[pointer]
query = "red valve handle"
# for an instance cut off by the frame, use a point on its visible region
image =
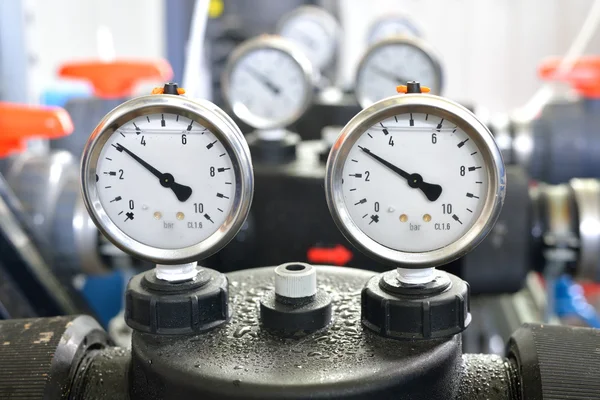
(116, 79)
(19, 122)
(584, 77)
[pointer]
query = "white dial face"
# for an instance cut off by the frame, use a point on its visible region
(414, 182)
(387, 66)
(392, 27)
(267, 85)
(310, 34)
(165, 181)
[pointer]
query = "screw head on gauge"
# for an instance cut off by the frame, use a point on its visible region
(391, 26)
(167, 179)
(267, 82)
(315, 31)
(395, 61)
(415, 181)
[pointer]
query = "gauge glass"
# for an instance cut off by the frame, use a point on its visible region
(416, 180)
(415, 184)
(267, 84)
(394, 62)
(315, 31)
(167, 179)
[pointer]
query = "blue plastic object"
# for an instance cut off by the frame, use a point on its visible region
(61, 92)
(104, 294)
(569, 300)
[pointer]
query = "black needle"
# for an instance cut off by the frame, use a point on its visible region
(166, 180)
(264, 80)
(390, 75)
(415, 181)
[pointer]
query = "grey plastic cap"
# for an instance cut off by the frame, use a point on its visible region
(295, 280)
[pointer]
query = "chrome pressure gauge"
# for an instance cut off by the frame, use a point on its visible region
(167, 179)
(415, 180)
(393, 62)
(267, 82)
(391, 26)
(315, 31)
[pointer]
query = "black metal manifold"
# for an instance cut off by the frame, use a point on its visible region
(241, 360)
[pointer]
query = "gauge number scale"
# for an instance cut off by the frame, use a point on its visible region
(165, 180)
(414, 182)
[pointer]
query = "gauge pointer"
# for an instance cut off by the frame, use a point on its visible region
(166, 180)
(390, 75)
(415, 181)
(264, 80)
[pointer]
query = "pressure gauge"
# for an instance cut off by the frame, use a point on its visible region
(267, 82)
(315, 31)
(415, 181)
(391, 26)
(167, 179)
(392, 62)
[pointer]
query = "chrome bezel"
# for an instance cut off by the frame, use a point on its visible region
(586, 193)
(404, 40)
(290, 50)
(329, 24)
(416, 103)
(203, 112)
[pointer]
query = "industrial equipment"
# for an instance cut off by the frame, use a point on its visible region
(394, 61)
(450, 162)
(268, 84)
(167, 179)
(561, 142)
(297, 330)
(316, 31)
(392, 25)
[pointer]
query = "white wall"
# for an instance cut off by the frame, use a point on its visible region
(489, 48)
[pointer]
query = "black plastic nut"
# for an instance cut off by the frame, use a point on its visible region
(165, 308)
(418, 316)
(290, 315)
(273, 151)
(170, 88)
(413, 87)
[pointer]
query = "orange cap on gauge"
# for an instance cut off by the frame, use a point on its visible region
(116, 79)
(406, 89)
(584, 77)
(161, 90)
(19, 122)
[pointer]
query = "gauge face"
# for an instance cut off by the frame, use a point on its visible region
(415, 184)
(266, 85)
(394, 62)
(167, 179)
(393, 26)
(315, 31)
(410, 180)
